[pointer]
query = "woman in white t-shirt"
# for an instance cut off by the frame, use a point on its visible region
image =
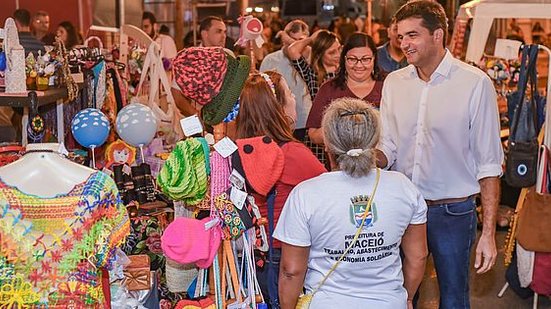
(321, 217)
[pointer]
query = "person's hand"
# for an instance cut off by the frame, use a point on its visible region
(486, 253)
(285, 38)
(314, 36)
(410, 304)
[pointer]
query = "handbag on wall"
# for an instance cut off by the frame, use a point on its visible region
(533, 222)
(15, 59)
(522, 158)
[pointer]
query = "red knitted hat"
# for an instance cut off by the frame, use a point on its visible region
(260, 161)
(200, 71)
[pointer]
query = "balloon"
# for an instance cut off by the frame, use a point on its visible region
(136, 124)
(90, 127)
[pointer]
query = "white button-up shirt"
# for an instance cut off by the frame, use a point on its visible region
(442, 134)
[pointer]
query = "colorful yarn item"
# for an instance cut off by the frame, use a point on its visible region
(183, 176)
(51, 250)
(220, 176)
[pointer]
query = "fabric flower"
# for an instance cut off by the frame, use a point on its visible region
(153, 243)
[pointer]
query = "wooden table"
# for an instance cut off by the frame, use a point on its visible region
(31, 100)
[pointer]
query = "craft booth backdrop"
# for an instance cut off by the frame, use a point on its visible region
(483, 13)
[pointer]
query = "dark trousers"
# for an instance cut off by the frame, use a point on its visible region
(268, 279)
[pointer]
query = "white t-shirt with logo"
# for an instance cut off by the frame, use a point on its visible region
(324, 214)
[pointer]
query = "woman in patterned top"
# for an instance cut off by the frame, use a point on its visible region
(323, 65)
(324, 58)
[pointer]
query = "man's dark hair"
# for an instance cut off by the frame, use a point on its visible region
(23, 17)
(357, 39)
(430, 12)
(206, 23)
(164, 30)
(41, 13)
(150, 16)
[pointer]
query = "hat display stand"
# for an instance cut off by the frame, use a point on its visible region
(230, 280)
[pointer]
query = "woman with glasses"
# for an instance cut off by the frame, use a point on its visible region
(358, 77)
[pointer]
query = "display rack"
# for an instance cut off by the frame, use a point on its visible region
(31, 100)
(546, 140)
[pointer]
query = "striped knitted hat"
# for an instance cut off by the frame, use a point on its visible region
(199, 72)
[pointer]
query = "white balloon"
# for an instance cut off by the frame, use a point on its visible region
(133, 126)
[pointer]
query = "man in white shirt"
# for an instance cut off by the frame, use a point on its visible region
(441, 129)
(277, 61)
(168, 47)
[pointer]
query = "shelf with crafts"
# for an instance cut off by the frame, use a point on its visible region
(32, 99)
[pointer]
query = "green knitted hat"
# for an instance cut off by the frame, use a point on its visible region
(238, 70)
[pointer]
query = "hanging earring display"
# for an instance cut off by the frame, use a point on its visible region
(37, 124)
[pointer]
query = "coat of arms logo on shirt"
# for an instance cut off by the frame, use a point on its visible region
(357, 209)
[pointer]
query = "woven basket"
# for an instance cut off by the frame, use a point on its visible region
(179, 276)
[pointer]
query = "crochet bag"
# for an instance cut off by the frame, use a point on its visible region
(15, 59)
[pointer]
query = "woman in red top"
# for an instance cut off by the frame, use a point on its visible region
(358, 77)
(261, 114)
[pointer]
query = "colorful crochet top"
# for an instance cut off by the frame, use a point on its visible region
(52, 249)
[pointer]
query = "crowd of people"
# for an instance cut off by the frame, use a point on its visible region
(359, 235)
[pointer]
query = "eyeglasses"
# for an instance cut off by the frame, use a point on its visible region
(363, 60)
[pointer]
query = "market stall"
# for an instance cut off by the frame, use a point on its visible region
(483, 13)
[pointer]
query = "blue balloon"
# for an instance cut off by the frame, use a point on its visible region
(90, 127)
(136, 124)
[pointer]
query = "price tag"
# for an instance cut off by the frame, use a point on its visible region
(256, 211)
(107, 171)
(225, 147)
(238, 197)
(191, 125)
(237, 180)
(127, 170)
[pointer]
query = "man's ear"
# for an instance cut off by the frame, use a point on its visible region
(439, 34)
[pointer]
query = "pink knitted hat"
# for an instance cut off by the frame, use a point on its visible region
(186, 241)
(200, 71)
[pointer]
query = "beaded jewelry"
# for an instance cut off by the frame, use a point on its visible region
(37, 124)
